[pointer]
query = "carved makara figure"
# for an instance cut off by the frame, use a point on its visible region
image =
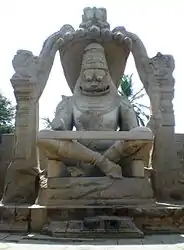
(94, 106)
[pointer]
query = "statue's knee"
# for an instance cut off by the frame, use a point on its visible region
(141, 129)
(119, 145)
(64, 147)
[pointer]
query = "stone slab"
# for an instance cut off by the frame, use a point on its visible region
(96, 227)
(159, 219)
(96, 135)
(39, 242)
(3, 236)
(18, 227)
(14, 218)
(37, 238)
(97, 190)
(38, 218)
(150, 219)
(13, 238)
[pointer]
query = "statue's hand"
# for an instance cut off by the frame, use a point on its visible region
(37, 68)
(58, 124)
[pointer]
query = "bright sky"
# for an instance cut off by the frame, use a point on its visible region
(26, 24)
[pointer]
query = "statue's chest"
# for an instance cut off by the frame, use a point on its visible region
(95, 120)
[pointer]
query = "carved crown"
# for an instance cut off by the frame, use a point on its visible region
(94, 16)
(93, 29)
(162, 65)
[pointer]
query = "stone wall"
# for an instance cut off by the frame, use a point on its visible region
(179, 138)
(6, 150)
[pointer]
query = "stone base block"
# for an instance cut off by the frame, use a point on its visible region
(95, 227)
(94, 221)
(148, 219)
(95, 191)
(14, 219)
(38, 218)
(160, 219)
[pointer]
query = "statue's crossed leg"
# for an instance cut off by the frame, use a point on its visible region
(74, 150)
(106, 162)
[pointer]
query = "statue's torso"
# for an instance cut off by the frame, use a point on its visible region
(106, 119)
(95, 121)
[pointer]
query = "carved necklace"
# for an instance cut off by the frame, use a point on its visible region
(99, 104)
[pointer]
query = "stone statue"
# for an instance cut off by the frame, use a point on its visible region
(93, 58)
(95, 104)
(42, 168)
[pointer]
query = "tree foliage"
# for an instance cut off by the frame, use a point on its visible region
(47, 122)
(126, 89)
(7, 113)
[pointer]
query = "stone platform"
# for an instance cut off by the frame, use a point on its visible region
(77, 191)
(95, 227)
(11, 241)
(131, 221)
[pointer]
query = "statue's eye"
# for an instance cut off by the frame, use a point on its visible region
(88, 74)
(99, 78)
(88, 78)
(99, 75)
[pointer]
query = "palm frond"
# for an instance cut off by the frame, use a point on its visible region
(47, 122)
(126, 89)
(126, 85)
(136, 94)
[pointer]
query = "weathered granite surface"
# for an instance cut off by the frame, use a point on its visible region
(148, 218)
(6, 147)
(95, 190)
(94, 59)
(93, 72)
(95, 227)
(38, 241)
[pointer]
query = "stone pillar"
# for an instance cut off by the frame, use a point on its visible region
(162, 123)
(26, 120)
(29, 81)
(22, 172)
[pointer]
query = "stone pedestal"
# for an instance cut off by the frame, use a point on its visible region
(54, 168)
(137, 168)
(77, 191)
(124, 221)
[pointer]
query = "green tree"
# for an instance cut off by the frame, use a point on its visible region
(47, 122)
(126, 89)
(7, 113)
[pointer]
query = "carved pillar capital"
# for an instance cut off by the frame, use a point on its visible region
(23, 88)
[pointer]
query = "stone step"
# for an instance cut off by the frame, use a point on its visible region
(149, 218)
(95, 227)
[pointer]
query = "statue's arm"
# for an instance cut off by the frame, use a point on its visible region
(140, 57)
(127, 116)
(63, 119)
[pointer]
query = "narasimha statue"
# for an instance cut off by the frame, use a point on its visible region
(94, 106)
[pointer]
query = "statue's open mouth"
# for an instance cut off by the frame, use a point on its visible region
(95, 91)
